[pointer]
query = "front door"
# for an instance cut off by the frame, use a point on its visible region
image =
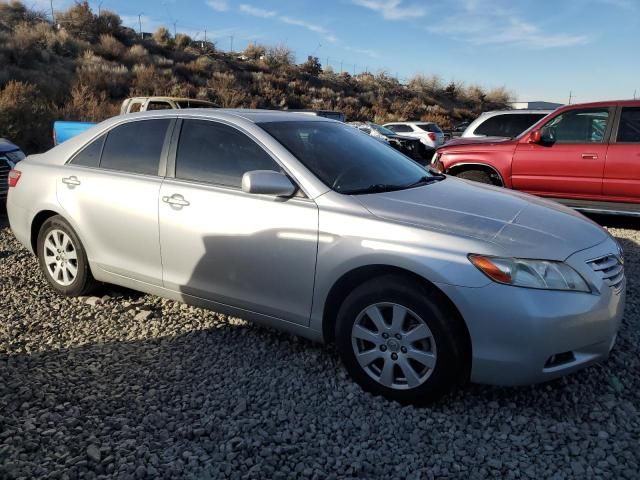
(254, 252)
(110, 188)
(569, 163)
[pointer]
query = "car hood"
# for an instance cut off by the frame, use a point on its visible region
(518, 224)
(476, 141)
(7, 146)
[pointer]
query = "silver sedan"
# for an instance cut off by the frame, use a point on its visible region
(303, 223)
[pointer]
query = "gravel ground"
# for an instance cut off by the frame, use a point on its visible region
(133, 386)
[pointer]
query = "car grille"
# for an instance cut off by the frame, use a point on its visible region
(611, 268)
(4, 176)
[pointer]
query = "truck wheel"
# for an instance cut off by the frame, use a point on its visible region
(63, 259)
(476, 176)
(397, 339)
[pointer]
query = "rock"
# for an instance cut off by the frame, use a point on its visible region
(143, 315)
(93, 453)
(93, 301)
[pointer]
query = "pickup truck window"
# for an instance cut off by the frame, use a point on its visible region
(629, 129)
(578, 126)
(159, 106)
(507, 125)
(89, 156)
(135, 147)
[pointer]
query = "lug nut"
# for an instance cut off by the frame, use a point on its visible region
(383, 348)
(398, 336)
(385, 335)
(394, 356)
(403, 349)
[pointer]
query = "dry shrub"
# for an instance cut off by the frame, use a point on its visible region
(182, 41)
(137, 54)
(162, 37)
(25, 116)
(224, 91)
(110, 47)
(87, 106)
(102, 75)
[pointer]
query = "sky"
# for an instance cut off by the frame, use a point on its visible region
(538, 49)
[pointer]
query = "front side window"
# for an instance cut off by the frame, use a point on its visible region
(577, 126)
(89, 156)
(135, 147)
(629, 129)
(215, 153)
(345, 160)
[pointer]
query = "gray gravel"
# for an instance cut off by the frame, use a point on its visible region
(133, 386)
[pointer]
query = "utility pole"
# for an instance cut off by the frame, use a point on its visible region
(231, 43)
(340, 66)
(326, 65)
(570, 96)
(354, 69)
(53, 16)
(174, 29)
(99, 9)
(205, 35)
(140, 23)
(634, 94)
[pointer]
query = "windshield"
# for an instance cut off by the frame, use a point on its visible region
(381, 129)
(345, 160)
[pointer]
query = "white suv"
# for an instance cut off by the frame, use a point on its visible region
(504, 123)
(429, 133)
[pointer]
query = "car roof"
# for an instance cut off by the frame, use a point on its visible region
(251, 115)
(413, 122)
(541, 111)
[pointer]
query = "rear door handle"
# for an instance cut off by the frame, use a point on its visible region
(590, 156)
(176, 200)
(71, 181)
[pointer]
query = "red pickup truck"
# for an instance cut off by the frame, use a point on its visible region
(586, 156)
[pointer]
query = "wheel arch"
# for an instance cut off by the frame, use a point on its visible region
(36, 224)
(351, 279)
(466, 166)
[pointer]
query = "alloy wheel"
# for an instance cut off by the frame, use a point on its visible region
(60, 257)
(394, 345)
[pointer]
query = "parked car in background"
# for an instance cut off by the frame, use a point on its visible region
(456, 131)
(503, 123)
(411, 147)
(10, 155)
(305, 224)
(64, 130)
(585, 156)
(428, 132)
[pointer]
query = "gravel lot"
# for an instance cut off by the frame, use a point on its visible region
(133, 386)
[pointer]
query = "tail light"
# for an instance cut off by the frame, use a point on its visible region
(432, 136)
(14, 176)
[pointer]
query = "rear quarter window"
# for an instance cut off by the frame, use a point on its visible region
(629, 129)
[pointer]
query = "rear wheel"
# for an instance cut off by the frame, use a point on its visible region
(63, 259)
(476, 176)
(398, 340)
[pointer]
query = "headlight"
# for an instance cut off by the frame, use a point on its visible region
(519, 272)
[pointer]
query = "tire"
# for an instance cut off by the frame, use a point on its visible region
(63, 259)
(476, 176)
(442, 349)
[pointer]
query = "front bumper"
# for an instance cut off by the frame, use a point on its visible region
(523, 336)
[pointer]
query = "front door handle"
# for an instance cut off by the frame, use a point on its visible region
(590, 156)
(71, 181)
(176, 200)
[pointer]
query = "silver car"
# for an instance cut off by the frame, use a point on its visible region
(302, 223)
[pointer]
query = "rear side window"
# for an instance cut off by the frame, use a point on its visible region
(400, 128)
(429, 127)
(135, 147)
(159, 106)
(629, 129)
(215, 153)
(508, 125)
(89, 156)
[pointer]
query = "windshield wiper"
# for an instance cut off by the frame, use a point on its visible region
(377, 188)
(434, 177)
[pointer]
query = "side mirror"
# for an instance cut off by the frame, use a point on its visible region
(268, 182)
(535, 137)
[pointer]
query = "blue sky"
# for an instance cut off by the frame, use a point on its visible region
(539, 49)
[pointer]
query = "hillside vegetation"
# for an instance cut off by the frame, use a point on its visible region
(85, 65)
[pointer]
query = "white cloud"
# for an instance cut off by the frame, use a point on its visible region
(257, 12)
(363, 51)
(392, 9)
(312, 27)
(218, 5)
(498, 26)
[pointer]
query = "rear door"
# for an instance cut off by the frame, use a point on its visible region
(622, 168)
(110, 191)
(570, 162)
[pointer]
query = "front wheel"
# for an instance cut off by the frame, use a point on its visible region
(397, 339)
(63, 259)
